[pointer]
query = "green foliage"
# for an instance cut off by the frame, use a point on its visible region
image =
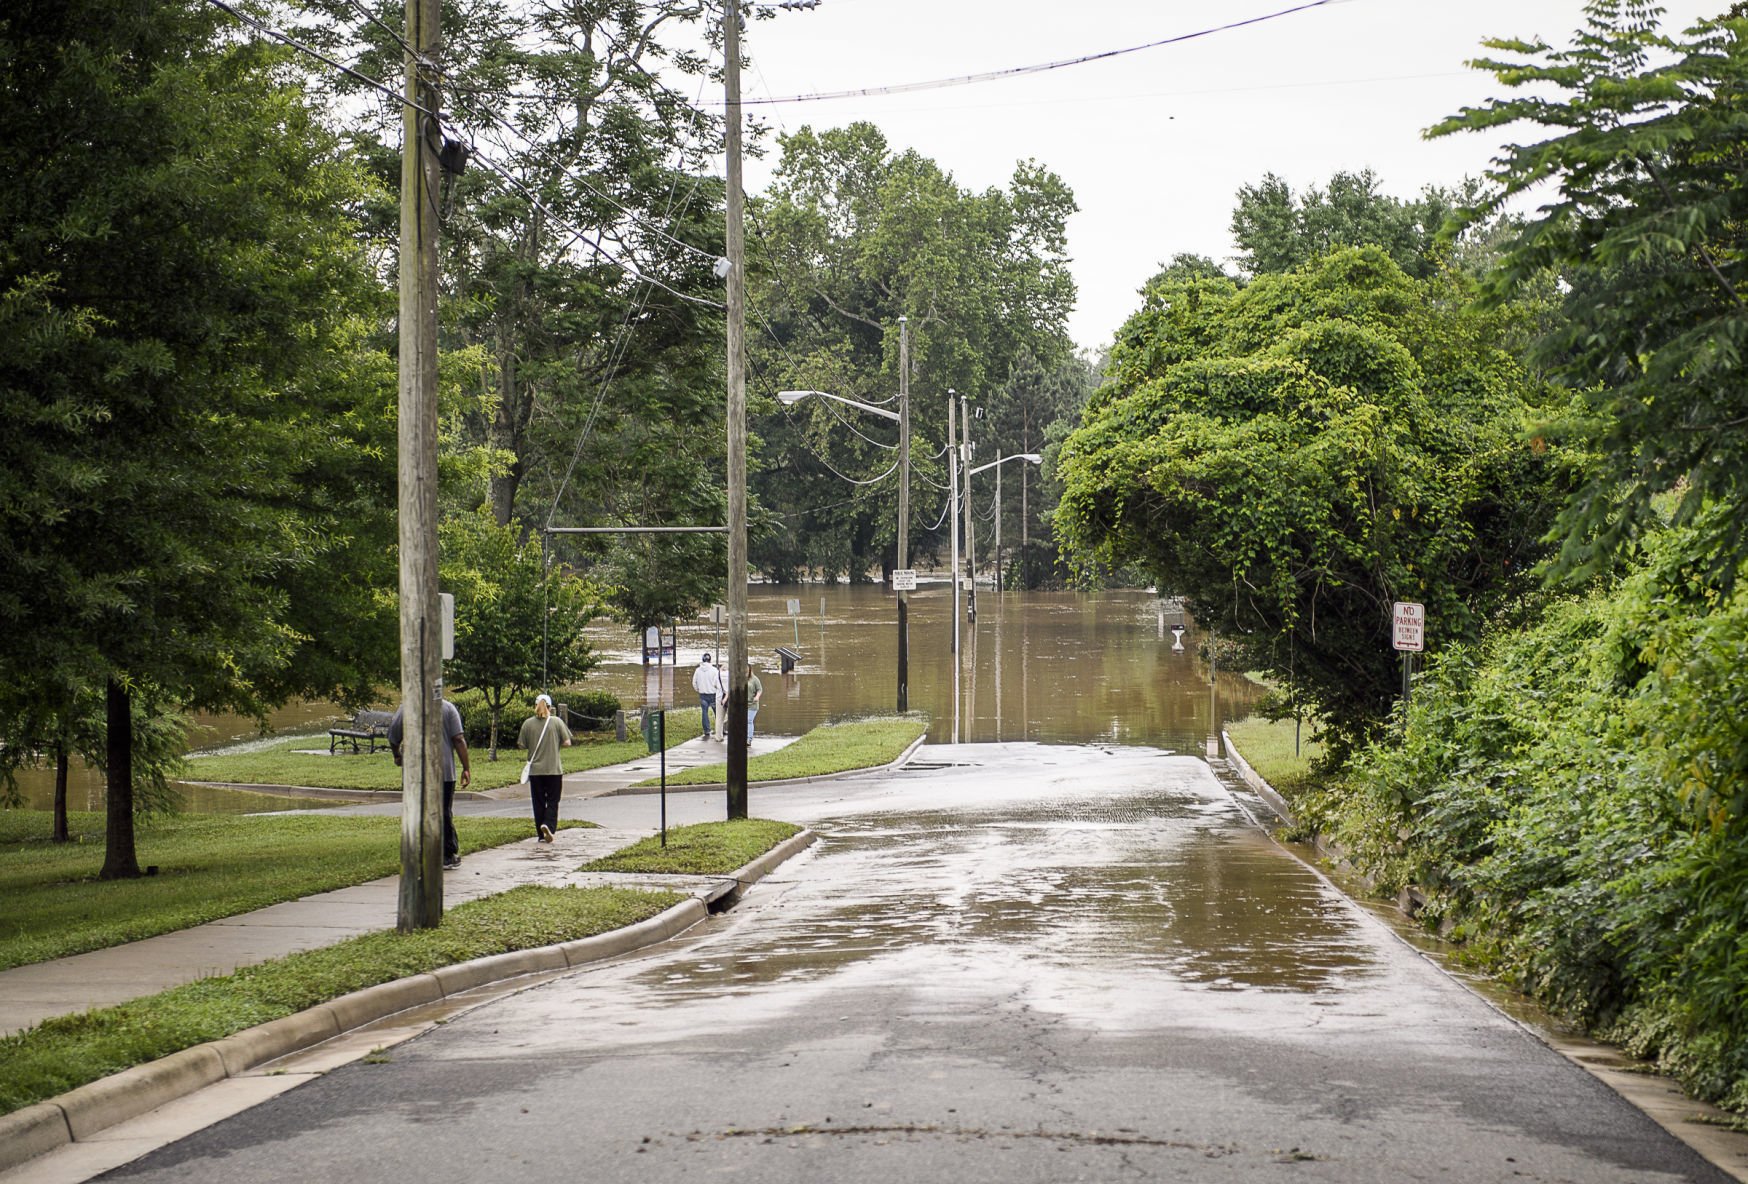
(1279, 231)
(1635, 149)
(703, 849)
(1295, 455)
(852, 235)
(590, 710)
(1571, 797)
(519, 620)
(63, 1053)
(210, 866)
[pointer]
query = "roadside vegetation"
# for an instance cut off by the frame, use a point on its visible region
(829, 748)
(1534, 428)
(703, 849)
(1268, 746)
(209, 866)
(68, 1051)
(294, 763)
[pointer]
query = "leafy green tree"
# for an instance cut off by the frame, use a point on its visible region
(1278, 230)
(1640, 145)
(1296, 455)
(518, 618)
(852, 235)
(180, 296)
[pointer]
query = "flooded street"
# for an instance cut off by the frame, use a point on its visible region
(1006, 963)
(1059, 667)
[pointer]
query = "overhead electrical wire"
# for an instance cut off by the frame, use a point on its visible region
(1039, 68)
(268, 31)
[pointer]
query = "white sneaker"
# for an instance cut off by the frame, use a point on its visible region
(545, 833)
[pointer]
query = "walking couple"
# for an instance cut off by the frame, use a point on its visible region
(711, 683)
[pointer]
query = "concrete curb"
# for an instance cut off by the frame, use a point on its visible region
(81, 1113)
(893, 765)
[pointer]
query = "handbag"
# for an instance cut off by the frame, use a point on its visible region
(528, 765)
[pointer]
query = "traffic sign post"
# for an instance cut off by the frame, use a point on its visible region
(1408, 635)
(904, 579)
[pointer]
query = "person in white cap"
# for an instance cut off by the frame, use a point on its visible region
(542, 735)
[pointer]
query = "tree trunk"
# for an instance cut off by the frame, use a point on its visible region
(120, 861)
(61, 762)
(496, 712)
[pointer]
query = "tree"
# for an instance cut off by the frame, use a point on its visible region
(1294, 456)
(852, 235)
(518, 619)
(1278, 230)
(180, 293)
(1645, 152)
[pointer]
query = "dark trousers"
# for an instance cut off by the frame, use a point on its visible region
(451, 840)
(545, 788)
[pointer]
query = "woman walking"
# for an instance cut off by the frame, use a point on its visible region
(542, 735)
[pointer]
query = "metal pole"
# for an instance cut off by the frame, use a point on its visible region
(421, 888)
(970, 530)
(998, 530)
(737, 421)
(661, 731)
(953, 514)
(903, 511)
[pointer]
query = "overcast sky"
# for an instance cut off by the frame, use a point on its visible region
(1155, 144)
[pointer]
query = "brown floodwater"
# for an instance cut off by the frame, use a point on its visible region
(1056, 667)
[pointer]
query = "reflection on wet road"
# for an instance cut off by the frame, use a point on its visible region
(1009, 963)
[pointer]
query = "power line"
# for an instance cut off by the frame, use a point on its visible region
(1040, 68)
(268, 31)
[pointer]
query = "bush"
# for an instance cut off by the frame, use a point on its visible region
(589, 710)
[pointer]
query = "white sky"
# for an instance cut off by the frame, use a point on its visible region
(1156, 144)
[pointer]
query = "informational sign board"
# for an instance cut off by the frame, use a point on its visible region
(795, 608)
(904, 579)
(718, 614)
(1409, 620)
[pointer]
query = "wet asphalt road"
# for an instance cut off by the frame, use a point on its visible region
(1006, 964)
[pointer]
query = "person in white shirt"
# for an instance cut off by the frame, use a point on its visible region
(721, 700)
(708, 686)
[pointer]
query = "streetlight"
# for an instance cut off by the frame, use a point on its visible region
(1034, 458)
(902, 415)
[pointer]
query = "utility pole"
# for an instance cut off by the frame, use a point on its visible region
(903, 511)
(736, 724)
(421, 895)
(998, 534)
(953, 515)
(970, 533)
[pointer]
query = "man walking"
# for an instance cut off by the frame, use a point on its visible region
(454, 744)
(705, 682)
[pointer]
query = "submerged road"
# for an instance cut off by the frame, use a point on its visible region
(1008, 963)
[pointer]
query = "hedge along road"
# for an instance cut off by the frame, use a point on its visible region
(1006, 963)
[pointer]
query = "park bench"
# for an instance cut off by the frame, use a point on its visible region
(369, 726)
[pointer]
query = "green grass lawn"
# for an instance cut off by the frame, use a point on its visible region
(282, 764)
(829, 748)
(1268, 746)
(63, 1053)
(209, 866)
(703, 849)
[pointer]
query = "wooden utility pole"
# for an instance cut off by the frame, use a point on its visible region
(903, 511)
(737, 421)
(421, 897)
(970, 543)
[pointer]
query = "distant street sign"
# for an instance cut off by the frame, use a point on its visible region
(795, 608)
(904, 579)
(1410, 625)
(718, 614)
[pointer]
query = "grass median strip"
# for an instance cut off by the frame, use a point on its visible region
(66, 1052)
(209, 866)
(829, 748)
(703, 849)
(1268, 747)
(291, 762)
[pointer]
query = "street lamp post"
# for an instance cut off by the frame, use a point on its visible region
(902, 416)
(1034, 458)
